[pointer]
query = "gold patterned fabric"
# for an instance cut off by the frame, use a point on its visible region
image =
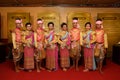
(75, 51)
(18, 52)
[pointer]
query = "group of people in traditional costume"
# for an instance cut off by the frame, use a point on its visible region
(51, 46)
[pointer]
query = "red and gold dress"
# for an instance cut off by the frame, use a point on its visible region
(51, 50)
(89, 40)
(29, 50)
(64, 41)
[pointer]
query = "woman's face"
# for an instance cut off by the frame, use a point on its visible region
(88, 27)
(51, 27)
(29, 27)
(64, 27)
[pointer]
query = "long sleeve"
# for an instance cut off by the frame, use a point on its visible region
(105, 41)
(59, 41)
(23, 34)
(58, 38)
(54, 40)
(46, 42)
(93, 37)
(35, 38)
(81, 38)
(13, 40)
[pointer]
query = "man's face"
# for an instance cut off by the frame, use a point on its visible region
(18, 25)
(75, 24)
(40, 25)
(98, 26)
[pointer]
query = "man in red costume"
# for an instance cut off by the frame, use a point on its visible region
(39, 37)
(76, 42)
(101, 44)
(17, 43)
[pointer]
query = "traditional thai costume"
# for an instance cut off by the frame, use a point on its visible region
(64, 41)
(88, 44)
(29, 50)
(51, 50)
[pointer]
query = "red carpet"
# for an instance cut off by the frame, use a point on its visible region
(111, 72)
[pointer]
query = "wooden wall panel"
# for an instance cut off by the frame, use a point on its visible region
(50, 17)
(11, 21)
(83, 18)
(111, 23)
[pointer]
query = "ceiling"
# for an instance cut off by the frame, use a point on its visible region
(65, 3)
